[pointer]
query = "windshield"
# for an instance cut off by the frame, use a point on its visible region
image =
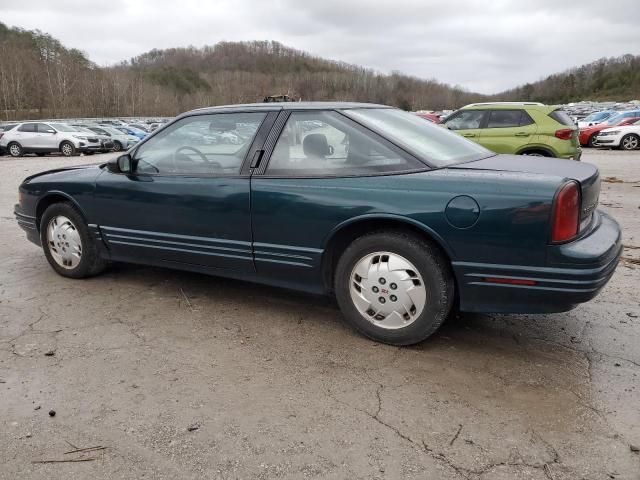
(61, 127)
(597, 116)
(435, 144)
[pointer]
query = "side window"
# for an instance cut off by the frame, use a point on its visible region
(504, 118)
(27, 127)
(200, 145)
(44, 128)
(465, 120)
(526, 119)
(322, 143)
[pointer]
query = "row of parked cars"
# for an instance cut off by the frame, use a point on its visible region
(611, 129)
(71, 137)
(530, 128)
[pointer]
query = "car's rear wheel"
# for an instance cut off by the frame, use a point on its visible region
(67, 244)
(536, 153)
(117, 146)
(15, 149)
(630, 142)
(67, 149)
(394, 287)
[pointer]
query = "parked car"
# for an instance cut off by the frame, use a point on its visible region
(399, 218)
(432, 117)
(624, 137)
(595, 118)
(121, 141)
(105, 140)
(615, 119)
(139, 126)
(518, 128)
(42, 138)
(5, 128)
(139, 134)
(588, 135)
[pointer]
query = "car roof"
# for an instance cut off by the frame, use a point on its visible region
(510, 106)
(276, 106)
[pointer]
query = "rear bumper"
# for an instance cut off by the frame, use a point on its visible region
(575, 273)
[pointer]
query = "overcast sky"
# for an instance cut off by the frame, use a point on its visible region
(484, 46)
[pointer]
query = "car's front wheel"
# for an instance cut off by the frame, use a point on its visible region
(117, 146)
(630, 142)
(394, 287)
(67, 243)
(67, 149)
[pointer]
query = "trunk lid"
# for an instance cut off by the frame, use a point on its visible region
(585, 174)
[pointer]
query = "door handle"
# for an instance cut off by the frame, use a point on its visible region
(468, 134)
(522, 134)
(255, 161)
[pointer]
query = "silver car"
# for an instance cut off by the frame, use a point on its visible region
(42, 138)
(121, 141)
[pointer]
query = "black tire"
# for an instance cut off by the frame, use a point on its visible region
(15, 149)
(592, 140)
(630, 142)
(117, 146)
(67, 149)
(90, 262)
(432, 266)
(536, 153)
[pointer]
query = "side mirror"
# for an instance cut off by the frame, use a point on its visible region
(51, 131)
(121, 164)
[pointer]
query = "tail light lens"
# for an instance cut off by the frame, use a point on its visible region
(566, 213)
(564, 134)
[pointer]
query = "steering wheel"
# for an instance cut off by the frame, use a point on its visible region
(174, 162)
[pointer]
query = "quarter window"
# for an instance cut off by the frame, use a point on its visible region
(465, 120)
(27, 127)
(319, 143)
(200, 145)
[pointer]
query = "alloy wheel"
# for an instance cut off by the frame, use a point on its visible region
(630, 142)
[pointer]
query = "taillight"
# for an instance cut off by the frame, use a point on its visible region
(564, 134)
(566, 213)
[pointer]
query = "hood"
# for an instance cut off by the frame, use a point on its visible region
(76, 170)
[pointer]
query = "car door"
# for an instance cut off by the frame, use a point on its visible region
(507, 131)
(311, 179)
(26, 135)
(47, 137)
(467, 123)
(188, 198)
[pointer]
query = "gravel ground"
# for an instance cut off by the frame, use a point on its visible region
(182, 375)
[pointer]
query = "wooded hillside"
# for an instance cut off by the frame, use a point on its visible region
(40, 77)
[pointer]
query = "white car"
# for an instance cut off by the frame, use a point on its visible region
(626, 137)
(121, 141)
(42, 138)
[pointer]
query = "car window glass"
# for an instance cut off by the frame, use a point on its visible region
(504, 118)
(525, 119)
(465, 120)
(318, 143)
(200, 145)
(27, 127)
(44, 128)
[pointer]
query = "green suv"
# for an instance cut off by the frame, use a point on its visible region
(518, 128)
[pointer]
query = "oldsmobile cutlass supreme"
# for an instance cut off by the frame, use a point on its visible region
(399, 218)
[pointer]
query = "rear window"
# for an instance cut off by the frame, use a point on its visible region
(562, 117)
(7, 127)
